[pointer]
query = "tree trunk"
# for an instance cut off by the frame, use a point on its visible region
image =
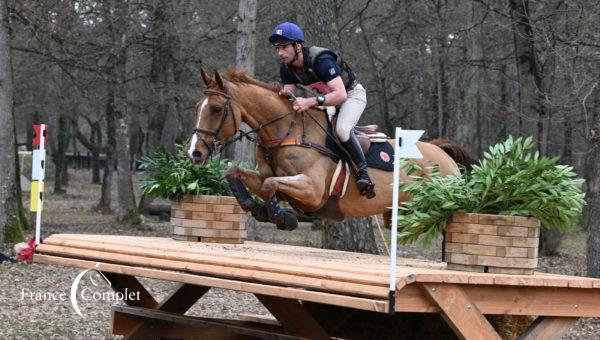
(531, 111)
(59, 156)
(321, 30)
(593, 204)
(243, 151)
(172, 127)
(97, 138)
(12, 216)
(109, 166)
(127, 212)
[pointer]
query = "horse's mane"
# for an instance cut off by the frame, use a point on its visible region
(240, 76)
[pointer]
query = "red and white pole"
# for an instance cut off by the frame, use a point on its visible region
(38, 173)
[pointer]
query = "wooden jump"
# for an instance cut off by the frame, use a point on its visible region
(313, 293)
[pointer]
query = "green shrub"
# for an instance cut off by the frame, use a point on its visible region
(509, 180)
(171, 176)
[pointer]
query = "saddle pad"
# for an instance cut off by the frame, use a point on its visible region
(380, 155)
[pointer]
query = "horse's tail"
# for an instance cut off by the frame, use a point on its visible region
(459, 154)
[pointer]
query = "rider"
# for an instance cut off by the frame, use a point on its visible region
(326, 73)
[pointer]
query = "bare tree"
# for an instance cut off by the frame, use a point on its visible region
(353, 234)
(531, 108)
(127, 210)
(243, 151)
(12, 217)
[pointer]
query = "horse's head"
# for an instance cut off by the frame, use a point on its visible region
(216, 119)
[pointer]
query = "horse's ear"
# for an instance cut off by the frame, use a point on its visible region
(205, 77)
(219, 80)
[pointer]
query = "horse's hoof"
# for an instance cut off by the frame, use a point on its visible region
(286, 221)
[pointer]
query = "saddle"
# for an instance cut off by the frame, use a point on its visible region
(366, 136)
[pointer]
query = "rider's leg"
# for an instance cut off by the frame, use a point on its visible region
(348, 116)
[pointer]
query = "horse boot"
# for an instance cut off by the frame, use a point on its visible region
(285, 220)
(366, 187)
(258, 210)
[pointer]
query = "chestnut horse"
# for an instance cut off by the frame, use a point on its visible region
(291, 172)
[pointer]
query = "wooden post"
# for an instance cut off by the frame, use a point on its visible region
(548, 328)
(293, 317)
(179, 301)
(459, 311)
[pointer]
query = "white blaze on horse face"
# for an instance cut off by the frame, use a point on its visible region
(195, 135)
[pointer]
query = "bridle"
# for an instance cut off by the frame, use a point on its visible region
(266, 145)
(239, 135)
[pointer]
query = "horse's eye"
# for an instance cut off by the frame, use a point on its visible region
(215, 110)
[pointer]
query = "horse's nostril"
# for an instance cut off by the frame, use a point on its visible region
(196, 154)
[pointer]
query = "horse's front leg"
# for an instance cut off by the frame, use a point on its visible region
(300, 188)
(239, 179)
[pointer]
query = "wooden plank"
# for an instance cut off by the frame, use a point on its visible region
(466, 268)
(351, 262)
(293, 316)
(212, 259)
(460, 312)
(168, 330)
(329, 260)
(246, 253)
(506, 241)
(512, 300)
(269, 320)
(222, 240)
(323, 284)
(185, 238)
(285, 292)
(121, 324)
(199, 223)
(217, 261)
(475, 249)
(204, 323)
(122, 282)
(472, 228)
(179, 301)
(496, 219)
(548, 328)
(513, 231)
(218, 232)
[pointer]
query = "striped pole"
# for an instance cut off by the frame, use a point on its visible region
(405, 147)
(38, 173)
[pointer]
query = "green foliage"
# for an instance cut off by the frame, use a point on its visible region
(171, 176)
(509, 180)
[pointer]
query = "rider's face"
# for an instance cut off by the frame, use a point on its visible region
(285, 52)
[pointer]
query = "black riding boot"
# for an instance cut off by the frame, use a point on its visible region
(363, 181)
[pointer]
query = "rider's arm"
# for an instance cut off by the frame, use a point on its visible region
(338, 94)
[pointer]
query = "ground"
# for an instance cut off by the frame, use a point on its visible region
(23, 315)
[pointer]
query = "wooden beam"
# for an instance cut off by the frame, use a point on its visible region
(121, 282)
(163, 320)
(548, 328)
(293, 316)
(511, 300)
(179, 301)
(460, 312)
(250, 287)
